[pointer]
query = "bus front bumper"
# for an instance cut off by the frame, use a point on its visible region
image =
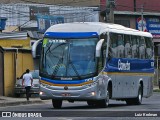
(88, 93)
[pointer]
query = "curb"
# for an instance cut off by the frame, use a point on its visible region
(19, 103)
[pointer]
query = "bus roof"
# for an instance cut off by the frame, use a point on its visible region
(95, 27)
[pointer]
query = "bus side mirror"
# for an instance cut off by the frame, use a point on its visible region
(36, 48)
(98, 47)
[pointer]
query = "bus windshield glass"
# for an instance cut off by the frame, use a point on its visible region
(70, 58)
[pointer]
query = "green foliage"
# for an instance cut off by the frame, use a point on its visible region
(156, 90)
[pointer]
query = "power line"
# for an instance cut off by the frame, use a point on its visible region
(58, 9)
(82, 16)
(10, 10)
(22, 15)
(21, 25)
(60, 5)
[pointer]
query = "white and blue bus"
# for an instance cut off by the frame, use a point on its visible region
(95, 62)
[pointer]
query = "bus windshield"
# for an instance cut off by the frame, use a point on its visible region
(70, 58)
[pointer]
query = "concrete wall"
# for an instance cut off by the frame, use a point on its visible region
(130, 18)
(10, 29)
(128, 5)
(24, 61)
(25, 43)
(15, 63)
(69, 2)
(9, 73)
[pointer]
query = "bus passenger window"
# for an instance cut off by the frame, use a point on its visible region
(149, 46)
(120, 47)
(113, 45)
(134, 47)
(142, 48)
(127, 46)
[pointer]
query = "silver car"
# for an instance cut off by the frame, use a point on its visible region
(19, 89)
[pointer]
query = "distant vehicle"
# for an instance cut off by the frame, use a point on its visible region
(19, 89)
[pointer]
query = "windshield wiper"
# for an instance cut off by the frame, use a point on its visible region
(58, 64)
(53, 48)
(57, 67)
(74, 68)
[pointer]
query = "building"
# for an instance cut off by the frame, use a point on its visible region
(79, 3)
(24, 15)
(15, 58)
(129, 13)
(13, 62)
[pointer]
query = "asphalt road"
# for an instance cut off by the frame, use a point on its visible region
(149, 110)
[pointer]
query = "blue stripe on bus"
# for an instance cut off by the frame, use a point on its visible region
(129, 65)
(63, 81)
(71, 34)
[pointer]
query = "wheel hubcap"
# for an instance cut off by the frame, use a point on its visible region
(107, 100)
(140, 97)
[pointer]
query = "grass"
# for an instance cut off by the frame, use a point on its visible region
(156, 90)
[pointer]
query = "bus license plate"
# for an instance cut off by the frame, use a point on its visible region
(66, 94)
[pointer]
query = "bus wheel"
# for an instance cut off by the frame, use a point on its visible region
(57, 103)
(91, 103)
(129, 102)
(103, 103)
(17, 95)
(138, 99)
(107, 99)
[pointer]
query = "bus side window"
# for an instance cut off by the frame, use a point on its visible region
(120, 47)
(142, 48)
(149, 46)
(127, 46)
(134, 46)
(113, 45)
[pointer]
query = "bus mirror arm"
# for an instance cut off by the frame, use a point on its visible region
(109, 55)
(98, 47)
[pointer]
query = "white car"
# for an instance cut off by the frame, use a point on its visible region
(19, 89)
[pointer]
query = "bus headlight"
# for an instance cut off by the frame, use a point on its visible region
(41, 93)
(93, 93)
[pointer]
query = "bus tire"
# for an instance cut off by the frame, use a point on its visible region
(17, 95)
(129, 101)
(105, 102)
(91, 103)
(57, 103)
(138, 99)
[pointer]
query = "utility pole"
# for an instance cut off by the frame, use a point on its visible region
(134, 5)
(107, 11)
(110, 11)
(142, 15)
(157, 71)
